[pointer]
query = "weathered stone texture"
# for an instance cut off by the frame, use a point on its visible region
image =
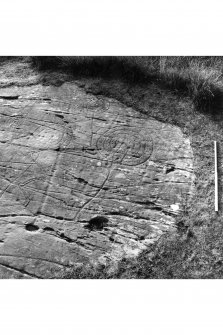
(83, 179)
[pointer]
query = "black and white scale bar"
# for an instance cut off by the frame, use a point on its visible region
(216, 175)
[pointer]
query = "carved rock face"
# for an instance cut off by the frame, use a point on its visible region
(83, 179)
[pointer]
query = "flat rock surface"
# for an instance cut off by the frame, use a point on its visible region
(83, 179)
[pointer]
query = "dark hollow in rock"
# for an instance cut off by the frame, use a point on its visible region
(66, 238)
(9, 97)
(31, 227)
(48, 229)
(97, 223)
(170, 168)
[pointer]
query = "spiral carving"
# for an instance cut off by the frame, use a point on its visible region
(124, 146)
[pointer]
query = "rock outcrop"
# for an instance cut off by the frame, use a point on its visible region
(83, 179)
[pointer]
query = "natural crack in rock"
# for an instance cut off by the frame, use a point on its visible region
(83, 179)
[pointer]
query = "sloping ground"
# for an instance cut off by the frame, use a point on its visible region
(84, 179)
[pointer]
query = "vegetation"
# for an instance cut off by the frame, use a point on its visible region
(198, 77)
(17, 71)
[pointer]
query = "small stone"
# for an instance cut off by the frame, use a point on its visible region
(175, 207)
(215, 252)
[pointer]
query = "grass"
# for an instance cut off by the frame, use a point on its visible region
(17, 71)
(183, 91)
(200, 78)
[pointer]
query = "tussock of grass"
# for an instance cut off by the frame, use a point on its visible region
(198, 77)
(17, 71)
(203, 85)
